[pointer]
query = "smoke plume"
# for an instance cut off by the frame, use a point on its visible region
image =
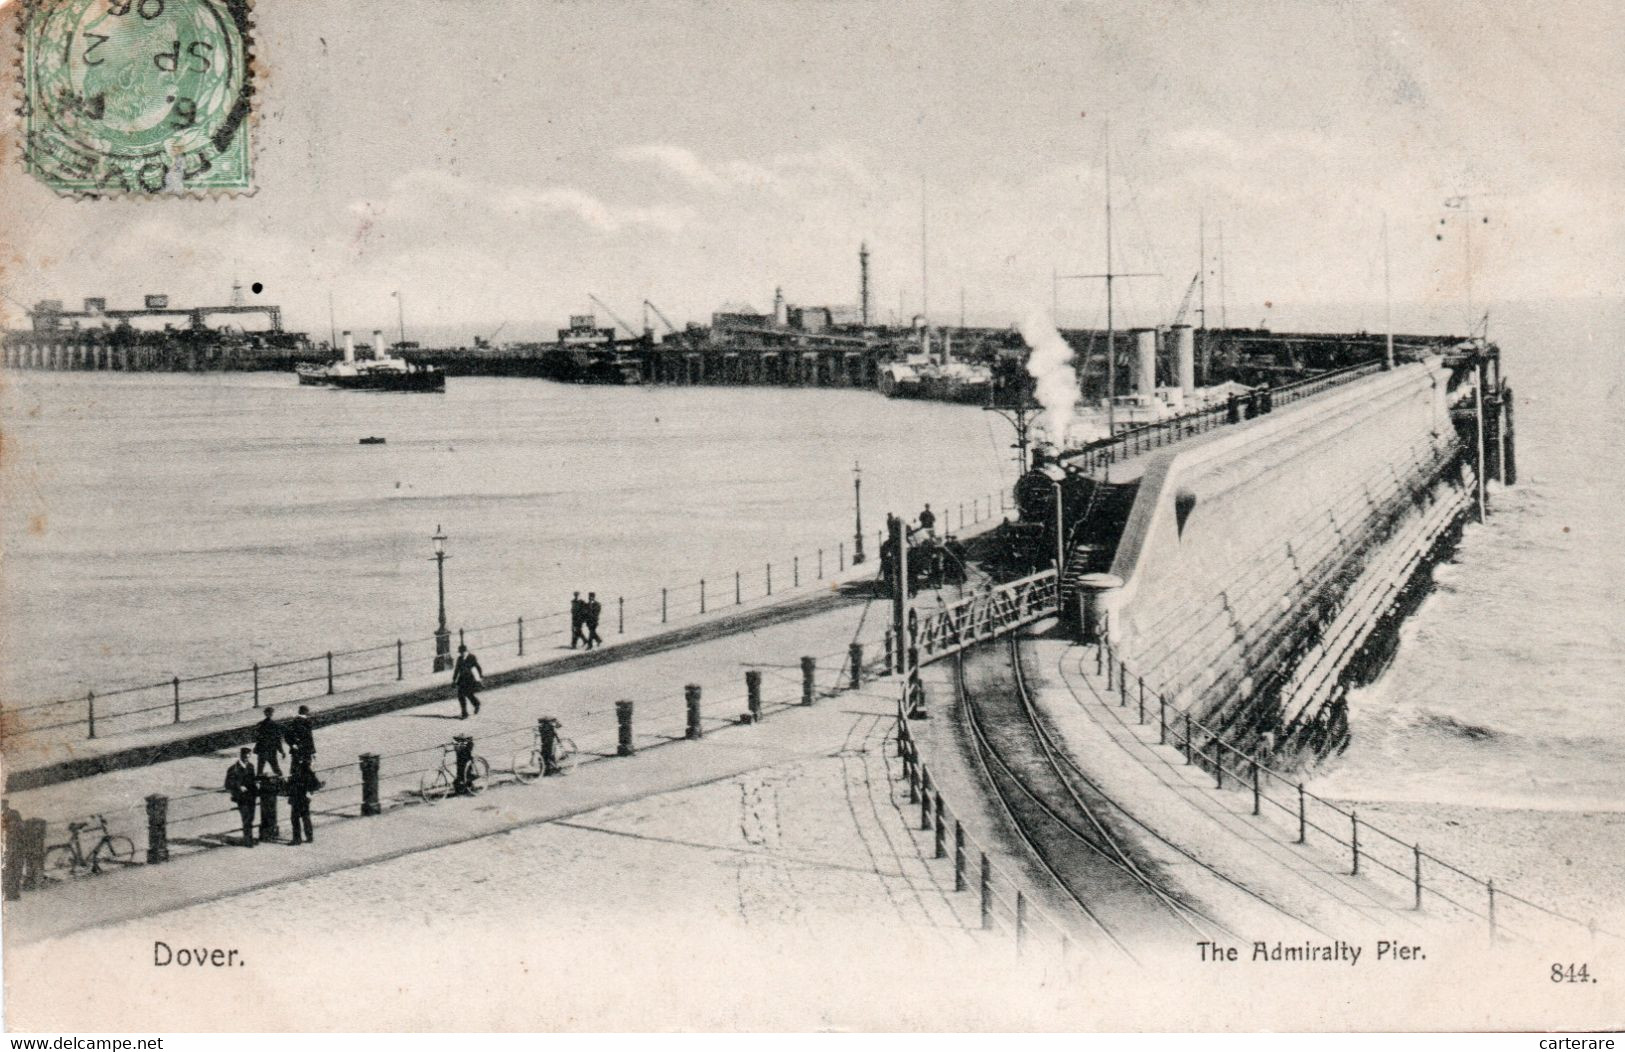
(1055, 382)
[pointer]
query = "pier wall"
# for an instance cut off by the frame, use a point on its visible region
(1255, 565)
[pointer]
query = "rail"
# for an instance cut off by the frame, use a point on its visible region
(1100, 455)
(1422, 873)
(177, 699)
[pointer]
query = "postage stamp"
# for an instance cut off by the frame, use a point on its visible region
(137, 97)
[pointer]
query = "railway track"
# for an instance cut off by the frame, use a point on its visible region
(1070, 828)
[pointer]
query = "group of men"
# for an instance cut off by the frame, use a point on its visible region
(246, 782)
(584, 614)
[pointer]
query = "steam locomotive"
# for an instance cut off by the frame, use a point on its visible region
(1092, 514)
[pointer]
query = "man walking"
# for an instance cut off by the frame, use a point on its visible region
(301, 783)
(593, 610)
(268, 744)
(240, 785)
(466, 673)
(578, 618)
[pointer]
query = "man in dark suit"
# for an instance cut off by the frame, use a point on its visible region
(578, 617)
(301, 737)
(301, 783)
(268, 744)
(594, 609)
(240, 783)
(466, 674)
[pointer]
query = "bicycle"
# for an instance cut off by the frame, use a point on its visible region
(66, 860)
(443, 780)
(527, 763)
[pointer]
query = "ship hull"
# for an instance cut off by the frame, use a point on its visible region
(429, 381)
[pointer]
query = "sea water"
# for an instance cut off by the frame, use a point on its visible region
(179, 524)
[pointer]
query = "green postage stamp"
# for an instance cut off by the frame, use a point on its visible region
(137, 97)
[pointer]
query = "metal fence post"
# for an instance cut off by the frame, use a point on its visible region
(90, 711)
(1354, 840)
(959, 856)
(620, 615)
(400, 659)
(942, 830)
(769, 578)
(1162, 720)
(737, 593)
(702, 595)
(820, 564)
(987, 893)
(1416, 854)
(925, 798)
(330, 672)
(1303, 819)
(176, 681)
(1187, 738)
(157, 829)
(521, 637)
(691, 696)
(809, 679)
(662, 606)
(1122, 684)
(840, 556)
(370, 764)
(256, 684)
(1141, 680)
(795, 571)
(855, 658)
(1021, 919)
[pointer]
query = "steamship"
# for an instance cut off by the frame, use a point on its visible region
(381, 372)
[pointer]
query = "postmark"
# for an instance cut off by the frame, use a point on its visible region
(139, 98)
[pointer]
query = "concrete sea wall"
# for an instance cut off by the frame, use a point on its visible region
(1258, 565)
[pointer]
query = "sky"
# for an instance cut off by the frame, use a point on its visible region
(498, 160)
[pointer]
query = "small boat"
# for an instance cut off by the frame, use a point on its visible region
(372, 440)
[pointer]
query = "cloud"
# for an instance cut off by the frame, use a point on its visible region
(784, 174)
(423, 194)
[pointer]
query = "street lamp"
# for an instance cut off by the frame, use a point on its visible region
(442, 635)
(857, 505)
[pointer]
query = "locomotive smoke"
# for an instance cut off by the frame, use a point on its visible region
(1056, 383)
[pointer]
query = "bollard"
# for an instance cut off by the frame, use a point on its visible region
(400, 660)
(90, 712)
(1109, 664)
(1255, 787)
(662, 606)
(914, 769)
(620, 615)
(521, 637)
(33, 853)
(269, 787)
(753, 696)
(370, 764)
(623, 717)
(737, 593)
(157, 829)
(177, 684)
(1021, 919)
(1354, 840)
(1303, 823)
(691, 695)
(256, 684)
(702, 595)
(925, 798)
(1416, 854)
(942, 831)
(809, 672)
(330, 670)
(987, 893)
(547, 728)
(959, 856)
(855, 658)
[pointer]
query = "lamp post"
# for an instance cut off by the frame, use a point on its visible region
(857, 506)
(442, 634)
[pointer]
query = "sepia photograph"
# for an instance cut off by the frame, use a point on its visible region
(772, 516)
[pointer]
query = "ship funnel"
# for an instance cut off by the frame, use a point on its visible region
(1145, 362)
(349, 346)
(378, 351)
(1185, 358)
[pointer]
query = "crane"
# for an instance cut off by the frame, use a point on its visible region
(496, 332)
(661, 315)
(1185, 304)
(616, 318)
